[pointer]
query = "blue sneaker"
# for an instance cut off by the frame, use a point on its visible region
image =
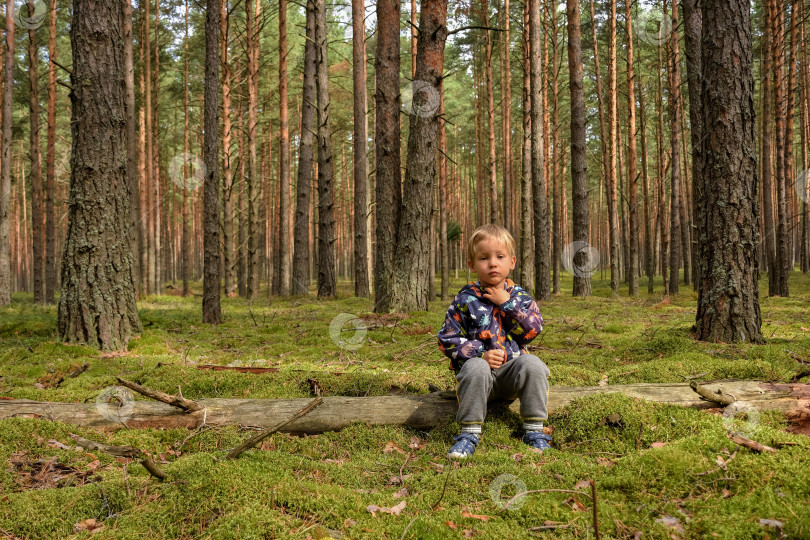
(538, 440)
(464, 447)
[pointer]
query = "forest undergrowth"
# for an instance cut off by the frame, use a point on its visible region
(662, 471)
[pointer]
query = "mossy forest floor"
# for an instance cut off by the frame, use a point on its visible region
(662, 471)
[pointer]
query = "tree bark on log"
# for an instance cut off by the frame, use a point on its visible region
(420, 411)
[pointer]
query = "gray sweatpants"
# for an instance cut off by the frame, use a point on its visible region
(524, 377)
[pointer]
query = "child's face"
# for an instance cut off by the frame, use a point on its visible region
(492, 262)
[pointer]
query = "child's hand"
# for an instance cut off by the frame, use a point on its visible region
(496, 295)
(495, 358)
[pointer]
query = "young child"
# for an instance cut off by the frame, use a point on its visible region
(485, 334)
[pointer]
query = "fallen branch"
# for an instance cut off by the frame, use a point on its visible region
(595, 513)
(240, 369)
(256, 439)
(121, 451)
(718, 397)
(175, 401)
(73, 374)
(749, 443)
(419, 411)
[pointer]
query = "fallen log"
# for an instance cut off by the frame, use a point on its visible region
(421, 411)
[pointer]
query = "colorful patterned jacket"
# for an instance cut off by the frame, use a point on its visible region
(474, 324)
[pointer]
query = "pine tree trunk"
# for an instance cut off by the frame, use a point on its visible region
(791, 105)
(185, 263)
(284, 155)
(694, 72)
(212, 312)
(35, 173)
(581, 263)
(728, 300)
(778, 50)
(445, 253)
(556, 189)
(613, 223)
(387, 151)
(227, 173)
(675, 153)
(493, 177)
(5, 159)
(301, 259)
(132, 147)
(412, 264)
(541, 262)
(97, 305)
(632, 156)
(506, 105)
(254, 181)
(768, 237)
(327, 286)
(50, 172)
(360, 144)
(649, 239)
(526, 205)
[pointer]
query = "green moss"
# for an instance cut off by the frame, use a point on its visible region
(319, 486)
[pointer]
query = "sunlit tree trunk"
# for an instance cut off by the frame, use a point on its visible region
(556, 187)
(632, 154)
(227, 172)
(254, 180)
(284, 155)
(5, 159)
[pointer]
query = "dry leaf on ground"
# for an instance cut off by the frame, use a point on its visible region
(391, 446)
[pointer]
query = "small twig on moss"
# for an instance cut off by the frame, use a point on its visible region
(253, 441)
(595, 513)
(749, 443)
(446, 479)
(121, 451)
(176, 401)
(708, 395)
(408, 527)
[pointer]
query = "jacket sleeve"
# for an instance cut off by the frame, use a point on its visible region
(454, 339)
(526, 317)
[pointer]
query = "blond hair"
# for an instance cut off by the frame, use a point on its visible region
(494, 232)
